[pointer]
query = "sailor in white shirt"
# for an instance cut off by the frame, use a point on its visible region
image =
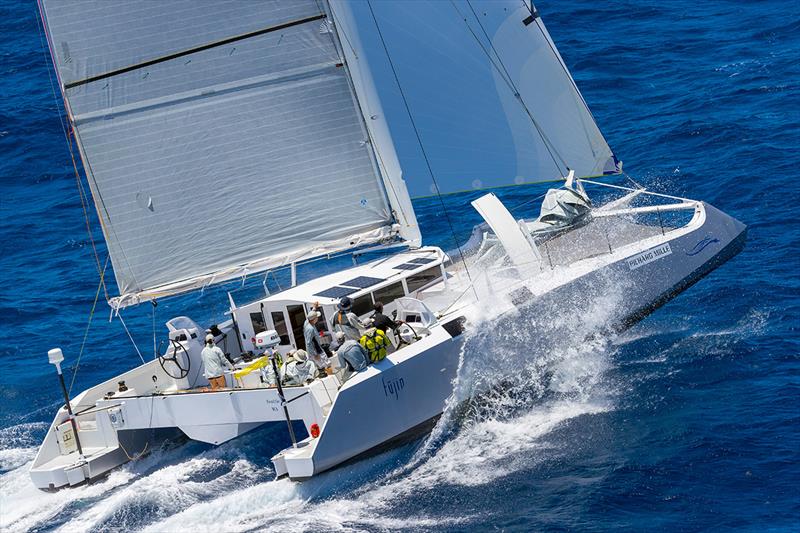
(299, 369)
(214, 364)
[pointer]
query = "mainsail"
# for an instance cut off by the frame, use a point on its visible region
(219, 138)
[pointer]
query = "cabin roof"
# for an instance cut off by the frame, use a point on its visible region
(328, 289)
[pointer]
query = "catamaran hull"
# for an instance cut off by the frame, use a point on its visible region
(401, 395)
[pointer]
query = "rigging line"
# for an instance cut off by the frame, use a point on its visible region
(48, 62)
(65, 101)
(119, 314)
(635, 183)
(88, 325)
(338, 29)
(511, 85)
(335, 25)
(87, 166)
(534, 13)
(526, 202)
(377, 160)
(155, 349)
(419, 140)
(84, 201)
(64, 129)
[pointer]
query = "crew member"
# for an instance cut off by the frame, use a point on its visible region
(313, 345)
(214, 364)
(298, 369)
(383, 322)
(346, 321)
(374, 342)
(352, 357)
(268, 373)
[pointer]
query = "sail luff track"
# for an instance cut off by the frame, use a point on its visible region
(193, 50)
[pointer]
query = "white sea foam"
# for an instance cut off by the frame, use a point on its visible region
(25, 507)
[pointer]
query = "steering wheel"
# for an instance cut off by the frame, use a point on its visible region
(176, 347)
(399, 339)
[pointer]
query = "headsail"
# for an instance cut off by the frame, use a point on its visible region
(491, 97)
(219, 138)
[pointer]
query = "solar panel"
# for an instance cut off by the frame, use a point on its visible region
(362, 282)
(407, 266)
(423, 260)
(336, 292)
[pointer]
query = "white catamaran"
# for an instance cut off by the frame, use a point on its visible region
(222, 139)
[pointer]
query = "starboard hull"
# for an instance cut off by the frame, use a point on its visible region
(368, 413)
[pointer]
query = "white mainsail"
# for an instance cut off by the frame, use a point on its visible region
(219, 138)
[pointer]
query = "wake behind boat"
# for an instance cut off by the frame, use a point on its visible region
(264, 86)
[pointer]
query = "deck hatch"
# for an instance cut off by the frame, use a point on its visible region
(336, 292)
(407, 266)
(423, 260)
(362, 282)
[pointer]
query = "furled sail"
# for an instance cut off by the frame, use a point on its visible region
(491, 98)
(219, 138)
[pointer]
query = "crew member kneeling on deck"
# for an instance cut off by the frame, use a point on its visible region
(375, 342)
(214, 364)
(298, 370)
(352, 356)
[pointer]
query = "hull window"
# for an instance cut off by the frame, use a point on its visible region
(417, 281)
(362, 305)
(389, 293)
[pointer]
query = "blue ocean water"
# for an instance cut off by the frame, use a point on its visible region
(690, 420)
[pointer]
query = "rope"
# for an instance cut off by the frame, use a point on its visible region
(65, 129)
(419, 140)
(130, 337)
(136, 456)
(88, 325)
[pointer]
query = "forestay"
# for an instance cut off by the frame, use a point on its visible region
(492, 99)
(219, 137)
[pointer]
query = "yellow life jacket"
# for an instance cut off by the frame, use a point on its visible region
(374, 341)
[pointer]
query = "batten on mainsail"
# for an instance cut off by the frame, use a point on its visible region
(218, 139)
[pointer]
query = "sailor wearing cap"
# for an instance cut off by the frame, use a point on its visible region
(313, 345)
(346, 321)
(298, 369)
(214, 364)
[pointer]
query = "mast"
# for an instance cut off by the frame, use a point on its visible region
(375, 123)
